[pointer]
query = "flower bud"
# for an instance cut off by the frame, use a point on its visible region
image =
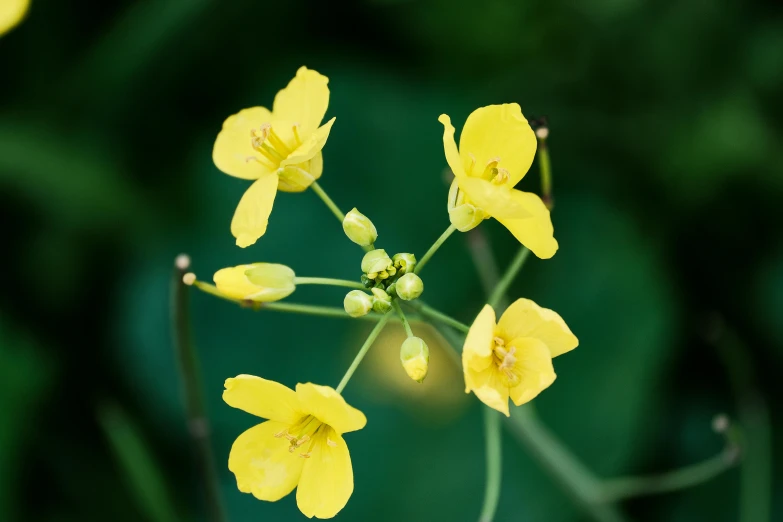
(260, 282)
(415, 358)
(409, 287)
(404, 263)
(375, 261)
(357, 303)
(382, 301)
(359, 228)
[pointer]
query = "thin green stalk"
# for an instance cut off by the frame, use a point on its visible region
(545, 167)
(328, 281)
(498, 294)
(494, 464)
(427, 311)
(328, 201)
(190, 378)
(483, 259)
(434, 248)
(402, 317)
(376, 331)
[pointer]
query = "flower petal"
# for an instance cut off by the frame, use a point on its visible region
(535, 366)
(499, 201)
(450, 147)
(498, 131)
(262, 463)
(252, 214)
(304, 100)
(260, 282)
(536, 231)
(524, 318)
(311, 145)
(233, 151)
(327, 478)
(263, 398)
(328, 406)
(479, 343)
(488, 388)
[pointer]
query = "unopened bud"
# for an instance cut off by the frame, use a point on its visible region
(375, 261)
(409, 287)
(357, 303)
(382, 301)
(260, 282)
(404, 262)
(359, 228)
(415, 358)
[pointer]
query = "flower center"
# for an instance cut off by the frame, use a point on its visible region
(505, 360)
(491, 171)
(307, 430)
(272, 147)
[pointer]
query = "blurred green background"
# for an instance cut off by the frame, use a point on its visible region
(666, 126)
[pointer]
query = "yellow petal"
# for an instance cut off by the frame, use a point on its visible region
(263, 398)
(450, 147)
(311, 145)
(524, 318)
(535, 232)
(499, 201)
(304, 100)
(233, 152)
(252, 214)
(534, 365)
(294, 178)
(498, 131)
(488, 388)
(260, 282)
(11, 13)
(328, 406)
(327, 478)
(262, 463)
(479, 343)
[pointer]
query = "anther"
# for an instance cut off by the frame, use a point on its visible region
(331, 443)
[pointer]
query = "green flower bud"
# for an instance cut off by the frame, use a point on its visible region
(359, 228)
(404, 263)
(357, 303)
(375, 261)
(415, 358)
(382, 301)
(409, 287)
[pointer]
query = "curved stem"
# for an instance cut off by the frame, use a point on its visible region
(434, 248)
(328, 201)
(494, 464)
(498, 294)
(363, 351)
(328, 281)
(428, 311)
(401, 314)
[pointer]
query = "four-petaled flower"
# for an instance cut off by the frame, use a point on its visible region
(513, 358)
(279, 149)
(496, 150)
(300, 445)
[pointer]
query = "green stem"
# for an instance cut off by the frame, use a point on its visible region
(401, 315)
(432, 313)
(483, 259)
(545, 167)
(328, 201)
(434, 248)
(190, 378)
(363, 351)
(494, 464)
(497, 297)
(618, 489)
(328, 281)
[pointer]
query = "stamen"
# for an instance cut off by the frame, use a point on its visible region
(330, 442)
(501, 177)
(472, 163)
(278, 143)
(304, 455)
(491, 170)
(295, 128)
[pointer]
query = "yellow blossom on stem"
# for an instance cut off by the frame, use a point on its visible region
(300, 445)
(279, 149)
(11, 13)
(496, 150)
(513, 357)
(260, 282)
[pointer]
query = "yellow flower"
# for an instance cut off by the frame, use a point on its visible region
(496, 150)
(300, 445)
(279, 149)
(513, 358)
(260, 282)
(11, 13)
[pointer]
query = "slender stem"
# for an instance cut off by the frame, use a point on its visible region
(328, 201)
(618, 489)
(494, 464)
(363, 351)
(192, 391)
(427, 311)
(402, 317)
(545, 167)
(434, 248)
(328, 281)
(483, 259)
(498, 294)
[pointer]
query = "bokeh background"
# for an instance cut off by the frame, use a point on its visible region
(666, 125)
